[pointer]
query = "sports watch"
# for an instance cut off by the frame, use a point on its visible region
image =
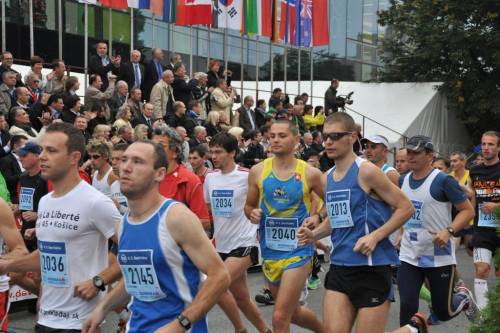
(321, 217)
(451, 230)
(99, 283)
(185, 323)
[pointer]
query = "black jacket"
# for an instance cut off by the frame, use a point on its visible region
(253, 152)
(183, 90)
(189, 123)
(68, 116)
(212, 130)
(114, 104)
(141, 120)
(212, 79)
(331, 101)
(5, 135)
(11, 170)
(150, 78)
(127, 74)
(96, 66)
(172, 120)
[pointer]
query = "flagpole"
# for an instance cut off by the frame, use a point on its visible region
(298, 91)
(312, 73)
(241, 63)
(131, 30)
(226, 51)
(153, 30)
(191, 49)
(286, 65)
(173, 38)
(209, 45)
(257, 70)
(3, 26)
(110, 33)
(272, 65)
(32, 41)
(86, 47)
(59, 13)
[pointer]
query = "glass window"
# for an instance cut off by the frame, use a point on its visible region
(120, 29)
(382, 5)
(278, 63)
(369, 53)
(370, 24)
(264, 66)
(305, 65)
(11, 11)
(216, 45)
(338, 22)
(354, 70)
(367, 71)
(234, 51)
(143, 30)
(353, 50)
(202, 43)
(355, 19)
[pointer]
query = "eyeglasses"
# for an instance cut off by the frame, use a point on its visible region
(335, 136)
(95, 157)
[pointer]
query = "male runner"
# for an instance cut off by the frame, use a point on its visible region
(197, 161)
(225, 192)
(485, 180)
(358, 198)
(73, 226)
(279, 200)
(100, 154)
(402, 162)
(427, 248)
(162, 268)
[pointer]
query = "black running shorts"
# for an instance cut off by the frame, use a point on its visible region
(486, 238)
(241, 252)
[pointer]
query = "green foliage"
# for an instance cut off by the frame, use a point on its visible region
(455, 42)
(489, 318)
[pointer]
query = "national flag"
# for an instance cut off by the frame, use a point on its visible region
(250, 24)
(118, 4)
(190, 12)
(88, 2)
(156, 7)
(303, 24)
(227, 14)
(170, 10)
(287, 24)
(139, 4)
(274, 21)
(264, 20)
(320, 28)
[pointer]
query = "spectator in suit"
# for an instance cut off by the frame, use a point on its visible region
(22, 98)
(202, 95)
(125, 134)
(70, 87)
(73, 107)
(133, 72)
(36, 64)
(174, 119)
(190, 119)
(135, 103)
(174, 57)
(154, 70)
(200, 137)
(317, 142)
(146, 118)
(213, 74)
(7, 98)
(100, 64)
(213, 127)
(118, 98)
(260, 112)
(248, 120)
(221, 101)
(21, 125)
(11, 168)
(93, 93)
(308, 141)
(32, 84)
(59, 79)
(7, 61)
(4, 137)
(182, 89)
(255, 151)
(82, 124)
(55, 106)
(162, 95)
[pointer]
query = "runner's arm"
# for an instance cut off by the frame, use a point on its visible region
(10, 233)
(252, 212)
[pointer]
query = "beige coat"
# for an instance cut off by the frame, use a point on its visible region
(159, 99)
(14, 130)
(93, 95)
(222, 102)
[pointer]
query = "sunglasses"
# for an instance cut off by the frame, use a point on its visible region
(95, 157)
(335, 136)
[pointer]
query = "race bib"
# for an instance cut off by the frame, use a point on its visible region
(223, 203)
(140, 275)
(486, 220)
(53, 263)
(281, 233)
(339, 209)
(416, 222)
(26, 198)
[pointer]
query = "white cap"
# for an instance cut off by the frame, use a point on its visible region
(376, 139)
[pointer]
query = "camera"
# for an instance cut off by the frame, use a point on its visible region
(343, 98)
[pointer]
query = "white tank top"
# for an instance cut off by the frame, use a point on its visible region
(102, 185)
(4, 279)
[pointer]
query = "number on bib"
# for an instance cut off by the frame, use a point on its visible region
(26, 198)
(416, 221)
(53, 262)
(339, 209)
(281, 233)
(223, 202)
(486, 220)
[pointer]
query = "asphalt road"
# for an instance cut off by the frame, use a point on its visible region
(24, 322)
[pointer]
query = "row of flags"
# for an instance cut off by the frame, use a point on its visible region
(303, 22)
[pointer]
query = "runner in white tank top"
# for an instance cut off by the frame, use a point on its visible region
(100, 154)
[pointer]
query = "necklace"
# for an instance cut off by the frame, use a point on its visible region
(145, 210)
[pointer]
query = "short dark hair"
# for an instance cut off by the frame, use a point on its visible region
(226, 141)
(53, 99)
(254, 133)
(342, 117)
(193, 103)
(445, 161)
(121, 147)
(198, 149)
(315, 134)
(334, 80)
(304, 95)
(287, 105)
(260, 102)
(56, 63)
(268, 118)
(76, 140)
(92, 79)
(122, 129)
(291, 126)
(70, 82)
(71, 101)
(16, 140)
(275, 103)
(277, 90)
(35, 60)
(296, 99)
(160, 156)
(97, 106)
(307, 108)
(264, 129)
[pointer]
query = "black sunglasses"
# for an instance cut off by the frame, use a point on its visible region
(95, 157)
(335, 136)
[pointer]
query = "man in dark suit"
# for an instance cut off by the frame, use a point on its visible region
(70, 87)
(174, 57)
(72, 110)
(247, 116)
(153, 72)
(200, 136)
(4, 137)
(11, 168)
(7, 61)
(317, 141)
(133, 72)
(101, 65)
(118, 98)
(147, 119)
(32, 84)
(182, 89)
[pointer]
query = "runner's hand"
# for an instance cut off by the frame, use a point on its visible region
(4, 269)
(441, 237)
(311, 222)
(30, 234)
(256, 215)
(366, 244)
(305, 236)
(30, 216)
(172, 327)
(488, 207)
(93, 322)
(397, 243)
(86, 290)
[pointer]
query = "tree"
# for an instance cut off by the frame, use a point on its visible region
(455, 42)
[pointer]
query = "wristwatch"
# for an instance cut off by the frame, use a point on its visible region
(451, 230)
(321, 217)
(185, 323)
(99, 283)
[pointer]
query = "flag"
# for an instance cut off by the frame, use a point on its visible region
(320, 30)
(191, 12)
(118, 4)
(156, 7)
(274, 21)
(170, 10)
(88, 2)
(227, 14)
(264, 20)
(303, 24)
(287, 24)
(139, 4)
(250, 24)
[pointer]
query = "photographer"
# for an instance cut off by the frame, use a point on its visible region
(332, 102)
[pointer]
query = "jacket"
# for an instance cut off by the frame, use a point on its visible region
(182, 89)
(311, 121)
(159, 98)
(93, 95)
(222, 102)
(331, 101)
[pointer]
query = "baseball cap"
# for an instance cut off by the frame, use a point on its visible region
(376, 139)
(283, 111)
(29, 147)
(418, 143)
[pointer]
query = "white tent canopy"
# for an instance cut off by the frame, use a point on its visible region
(403, 108)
